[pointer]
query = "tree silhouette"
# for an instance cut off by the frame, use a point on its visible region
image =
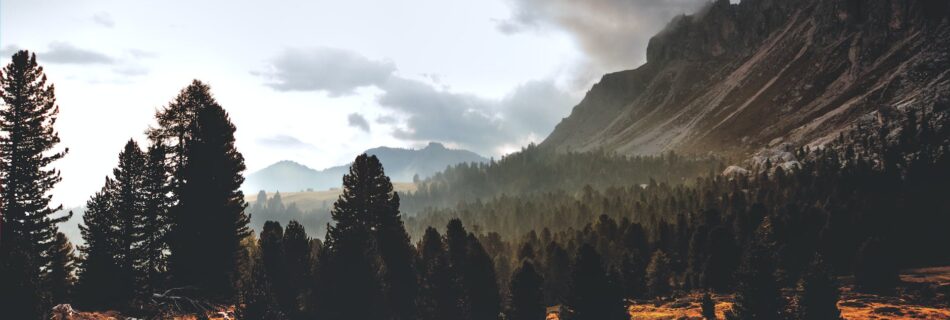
(353, 255)
(480, 282)
(296, 254)
(526, 299)
(591, 295)
(819, 297)
(439, 296)
(27, 149)
(759, 295)
(208, 220)
(658, 275)
(98, 286)
(62, 273)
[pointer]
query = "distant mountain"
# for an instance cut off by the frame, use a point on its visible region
(400, 165)
(739, 77)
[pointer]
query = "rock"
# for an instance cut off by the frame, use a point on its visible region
(735, 77)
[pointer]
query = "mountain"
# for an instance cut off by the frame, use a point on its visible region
(400, 165)
(736, 78)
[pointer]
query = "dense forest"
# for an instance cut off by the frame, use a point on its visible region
(169, 233)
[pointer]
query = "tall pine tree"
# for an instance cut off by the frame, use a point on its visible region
(98, 287)
(208, 221)
(62, 273)
(592, 295)
(27, 149)
(526, 300)
(440, 296)
(819, 294)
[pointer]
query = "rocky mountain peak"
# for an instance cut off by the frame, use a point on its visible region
(735, 78)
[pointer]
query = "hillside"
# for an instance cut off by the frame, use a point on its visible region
(401, 165)
(739, 77)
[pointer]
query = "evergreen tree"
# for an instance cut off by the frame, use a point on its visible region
(155, 222)
(175, 123)
(129, 204)
(658, 275)
(759, 295)
(874, 270)
(208, 220)
(480, 282)
(350, 286)
(591, 296)
(709, 307)
(98, 287)
(392, 244)
(557, 274)
(256, 299)
(296, 249)
(62, 274)
(526, 299)
(272, 259)
(456, 245)
(22, 296)
(722, 260)
(439, 297)
(27, 149)
(819, 297)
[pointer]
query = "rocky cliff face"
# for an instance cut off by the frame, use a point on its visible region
(739, 77)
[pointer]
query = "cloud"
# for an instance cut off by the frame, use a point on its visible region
(103, 19)
(612, 33)
(424, 111)
(335, 71)
(65, 53)
(529, 113)
(357, 120)
(8, 51)
(284, 142)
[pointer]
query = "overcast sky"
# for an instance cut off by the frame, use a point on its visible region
(319, 81)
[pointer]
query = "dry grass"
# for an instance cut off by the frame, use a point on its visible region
(853, 305)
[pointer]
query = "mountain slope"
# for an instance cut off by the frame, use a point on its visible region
(736, 78)
(400, 165)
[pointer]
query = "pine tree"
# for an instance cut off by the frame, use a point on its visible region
(155, 222)
(296, 248)
(62, 274)
(27, 149)
(819, 297)
(456, 245)
(175, 123)
(256, 299)
(350, 287)
(526, 301)
(557, 273)
(722, 260)
(758, 294)
(591, 293)
(129, 203)
(439, 294)
(98, 287)
(208, 220)
(271, 244)
(658, 275)
(481, 283)
(392, 243)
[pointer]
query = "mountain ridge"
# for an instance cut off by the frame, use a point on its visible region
(400, 165)
(735, 78)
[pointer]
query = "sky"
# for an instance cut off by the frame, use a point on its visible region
(318, 82)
